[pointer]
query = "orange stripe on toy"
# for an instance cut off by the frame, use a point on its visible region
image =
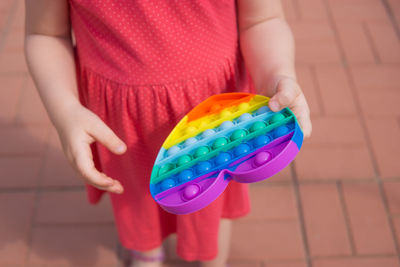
(215, 104)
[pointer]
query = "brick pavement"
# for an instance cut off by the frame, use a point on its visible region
(338, 204)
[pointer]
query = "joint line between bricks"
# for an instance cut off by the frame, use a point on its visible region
(317, 89)
(365, 131)
(331, 21)
(371, 42)
(36, 191)
(346, 217)
(296, 6)
(392, 18)
(389, 217)
(301, 215)
(24, 91)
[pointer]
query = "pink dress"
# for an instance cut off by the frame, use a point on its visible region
(141, 66)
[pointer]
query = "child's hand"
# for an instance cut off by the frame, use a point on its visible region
(267, 45)
(287, 93)
(77, 132)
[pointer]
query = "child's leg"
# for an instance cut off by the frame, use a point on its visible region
(224, 239)
(150, 258)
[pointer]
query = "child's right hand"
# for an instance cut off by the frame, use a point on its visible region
(77, 132)
(50, 57)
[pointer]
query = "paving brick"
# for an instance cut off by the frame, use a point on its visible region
(23, 140)
(336, 94)
(284, 175)
(313, 10)
(384, 133)
(6, 5)
(336, 131)
(368, 220)
(11, 90)
(311, 32)
(310, 53)
(71, 207)
(376, 104)
(14, 42)
(333, 163)
(3, 20)
(279, 240)
(315, 43)
(289, 9)
(325, 227)
(73, 246)
(272, 203)
(392, 190)
(317, 53)
(286, 264)
(385, 40)
(357, 10)
(16, 211)
(357, 47)
(31, 109)
(358, 262)
(18, 23)
(376, 77)
(5, 8)
(395, 7)
(396, 224)
(306, 81)
(19, 171)
(56, 170)
(13, 62)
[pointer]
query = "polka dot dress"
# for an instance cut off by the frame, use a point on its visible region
(141, 66)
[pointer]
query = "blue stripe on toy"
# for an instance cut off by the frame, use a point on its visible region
(298, 136)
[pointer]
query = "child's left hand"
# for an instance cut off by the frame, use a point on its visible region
(285, 92)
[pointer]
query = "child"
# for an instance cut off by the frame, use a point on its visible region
(138, 66)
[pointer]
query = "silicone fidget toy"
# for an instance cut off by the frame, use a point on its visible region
(233, 136)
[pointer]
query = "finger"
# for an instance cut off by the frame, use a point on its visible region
(102, 133)
(286, 93)
(302, 112)
(85, 166)
(305, 124)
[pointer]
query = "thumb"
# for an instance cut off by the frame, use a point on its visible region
(286, 92)
(102, 133)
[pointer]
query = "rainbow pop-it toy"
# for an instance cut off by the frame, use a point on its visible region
(233, 136)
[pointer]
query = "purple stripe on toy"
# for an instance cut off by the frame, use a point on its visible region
(265, 163)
